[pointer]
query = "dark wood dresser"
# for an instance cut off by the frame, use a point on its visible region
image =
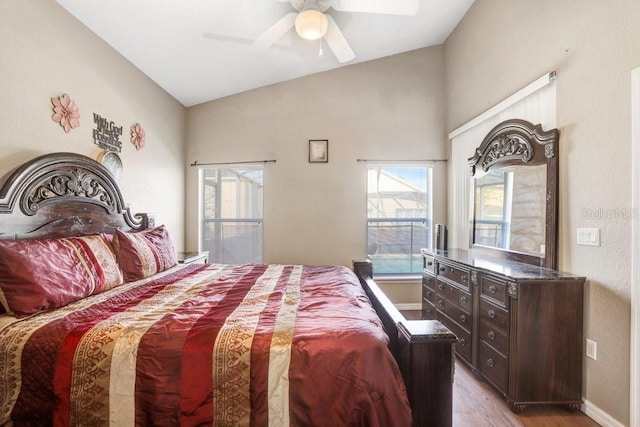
(519, 326)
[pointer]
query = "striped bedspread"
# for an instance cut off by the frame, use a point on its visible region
(223, 345)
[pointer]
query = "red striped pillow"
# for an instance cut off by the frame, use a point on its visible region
(37, 275)
(102, 249)
(144, 253)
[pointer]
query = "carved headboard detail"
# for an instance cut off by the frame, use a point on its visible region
(63, 194)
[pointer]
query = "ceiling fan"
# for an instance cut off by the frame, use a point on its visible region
(312, 23)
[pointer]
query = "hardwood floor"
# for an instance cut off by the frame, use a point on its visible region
(476, 404)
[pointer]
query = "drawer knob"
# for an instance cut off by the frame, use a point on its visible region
(491, 363)
(492, 335)
(428, 280)
(492, 314)
(443, 269)
(441, 286)
(430, 263)
(493, 289)
(463, 318)
(462, 342)
(440, 303)
(428, 294)
(464, 278)
(463, 299)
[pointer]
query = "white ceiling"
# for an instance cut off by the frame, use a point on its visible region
(198, 50)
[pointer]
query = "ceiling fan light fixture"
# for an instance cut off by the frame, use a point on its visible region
(311, 24)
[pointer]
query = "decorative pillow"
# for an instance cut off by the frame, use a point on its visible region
(38, 275)
(102, 249)
(144, 253)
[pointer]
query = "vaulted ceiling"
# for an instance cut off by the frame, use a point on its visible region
(200, 50)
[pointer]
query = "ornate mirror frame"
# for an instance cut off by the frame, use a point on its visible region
(517, 142)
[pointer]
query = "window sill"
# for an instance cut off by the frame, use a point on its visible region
(404, 278)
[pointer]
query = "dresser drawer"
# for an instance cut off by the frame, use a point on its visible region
(494, 288)
(463, 346)
(429, 263)
(495, 316)
(429, 280)
(463, 318)
(494, 337)
(428, 310)
(441, 293)
(455, 274)
(429, 294)
(458, 297)
(494, 365)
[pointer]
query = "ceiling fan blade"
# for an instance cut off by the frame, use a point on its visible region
(337, 43)
(392, 7)
(274, 32)
(296, 4)
(241, 40)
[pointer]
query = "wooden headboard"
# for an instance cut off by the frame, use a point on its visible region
(62, 195)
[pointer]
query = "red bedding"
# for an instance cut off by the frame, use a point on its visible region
(206, 345)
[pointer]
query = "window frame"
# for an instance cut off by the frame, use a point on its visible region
(236, 168)
(399, 276)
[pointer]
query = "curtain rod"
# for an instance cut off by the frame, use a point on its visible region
(195, 163)
(402, 160)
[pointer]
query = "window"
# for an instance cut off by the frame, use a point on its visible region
(231, 200)
(398, 217)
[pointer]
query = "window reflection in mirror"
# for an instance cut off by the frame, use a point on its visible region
(509, 209)
(493, 209)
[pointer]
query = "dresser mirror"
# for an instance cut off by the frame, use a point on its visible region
(514, 174)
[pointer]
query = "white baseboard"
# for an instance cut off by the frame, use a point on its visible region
(409, 306)
(598, 415)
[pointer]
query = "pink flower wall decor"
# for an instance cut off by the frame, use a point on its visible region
(137, 136)
(65, 112)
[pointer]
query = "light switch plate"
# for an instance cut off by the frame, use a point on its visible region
(592, 349)
(589, 236)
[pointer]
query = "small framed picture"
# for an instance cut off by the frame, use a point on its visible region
(318, 151)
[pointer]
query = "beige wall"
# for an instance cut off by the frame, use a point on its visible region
(45, 52)
(316, 213)
(501, 46)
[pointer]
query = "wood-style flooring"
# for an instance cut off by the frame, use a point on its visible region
(476, 404)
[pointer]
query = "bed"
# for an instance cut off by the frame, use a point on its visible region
(100, 325)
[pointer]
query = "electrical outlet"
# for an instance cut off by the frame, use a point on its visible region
(592, 349)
